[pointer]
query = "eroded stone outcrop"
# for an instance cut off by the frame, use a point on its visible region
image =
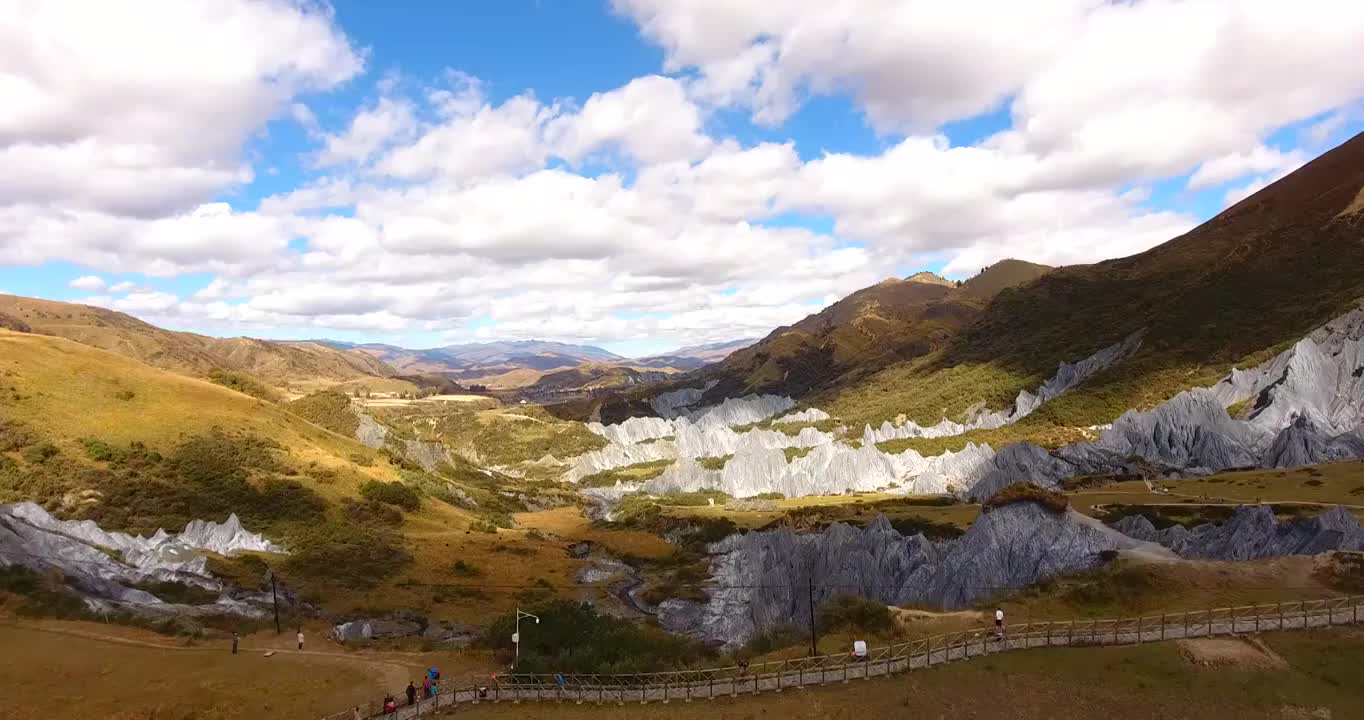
(765, 578)
(1253, 533)
(104, 566)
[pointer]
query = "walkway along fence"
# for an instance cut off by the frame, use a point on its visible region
(780, 675)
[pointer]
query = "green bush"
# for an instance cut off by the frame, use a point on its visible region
(40, 453)
(15, 436)
(769, 496)
(909, 526)
(463, 568)
(694, 499)
(394, 493)
(573, 637)
(347, 555)
(329, 409)
(242, 383)
(714, 463)
(100, 451)
(774, 638)
(371, 512)
(854, 612)
(1027, 492)
(177, 593)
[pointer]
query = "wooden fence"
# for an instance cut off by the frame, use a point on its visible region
(780, 675)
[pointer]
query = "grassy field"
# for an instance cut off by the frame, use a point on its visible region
(75, 670)
(857, 509)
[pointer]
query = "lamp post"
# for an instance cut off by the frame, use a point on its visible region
(516, 636)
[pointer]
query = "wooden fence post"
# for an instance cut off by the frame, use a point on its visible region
(1139, 638)
(1162, 626)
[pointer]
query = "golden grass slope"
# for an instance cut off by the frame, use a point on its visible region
(274, 362)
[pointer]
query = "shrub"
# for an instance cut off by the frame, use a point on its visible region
(242, 383)
(177, 593)
(714, 463)
(329, 409)
(694, 499)
(362, 459)
(854, 612)
(909, 526)
(462, 568)
(394, 493)
(768, 496)
(351, 556)
(15, 436)
(774, 638)
(39, 454)
(370, 512)
(1027, 492)
(125, 395)
(100, 451)
(573, 637)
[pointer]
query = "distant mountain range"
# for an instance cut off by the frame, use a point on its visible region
(480, 359)
(693, 356)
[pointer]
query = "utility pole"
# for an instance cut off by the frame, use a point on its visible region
(810, 586)
(516, 636)
(274, 598)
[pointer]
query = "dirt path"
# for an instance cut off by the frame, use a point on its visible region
(395, 673)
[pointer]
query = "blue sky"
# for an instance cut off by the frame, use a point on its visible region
(776, 183)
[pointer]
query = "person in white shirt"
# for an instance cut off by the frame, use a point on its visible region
(300, 638)
(999, 623)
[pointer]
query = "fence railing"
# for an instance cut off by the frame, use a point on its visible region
(779, 675)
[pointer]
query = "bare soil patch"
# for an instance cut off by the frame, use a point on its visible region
(1238, 653)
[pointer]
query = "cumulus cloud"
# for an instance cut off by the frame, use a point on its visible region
(144, 110)
(88, 283)
(630, 214)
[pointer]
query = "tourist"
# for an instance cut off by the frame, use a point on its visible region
(235, 638)
(300, 638)
(411, 694)
(999, 623)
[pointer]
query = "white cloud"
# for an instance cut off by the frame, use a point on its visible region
(441, 206)
(389, 122)
(144, 110)
(650, 119)
(88, 283)
(1261, 159)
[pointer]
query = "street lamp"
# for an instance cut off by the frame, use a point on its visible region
(516, 636)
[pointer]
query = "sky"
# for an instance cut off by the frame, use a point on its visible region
(632, 174)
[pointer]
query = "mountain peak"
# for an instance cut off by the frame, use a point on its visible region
(931, 278)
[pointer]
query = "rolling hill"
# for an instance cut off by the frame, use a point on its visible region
(693, 356)
(894, 320)
(479, 359)
(187, 353)
(1233, 290)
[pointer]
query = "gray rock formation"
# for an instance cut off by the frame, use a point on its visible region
(672, 404)
(104, 566)
(369, 432)
(809, 415)
(764, 578)
(1253, 533)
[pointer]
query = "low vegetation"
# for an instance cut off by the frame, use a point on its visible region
(1027, 492)
(572, 637)
(328, 409)
(640, 472)
(391, 493)
(521, 434)
(243, 383)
